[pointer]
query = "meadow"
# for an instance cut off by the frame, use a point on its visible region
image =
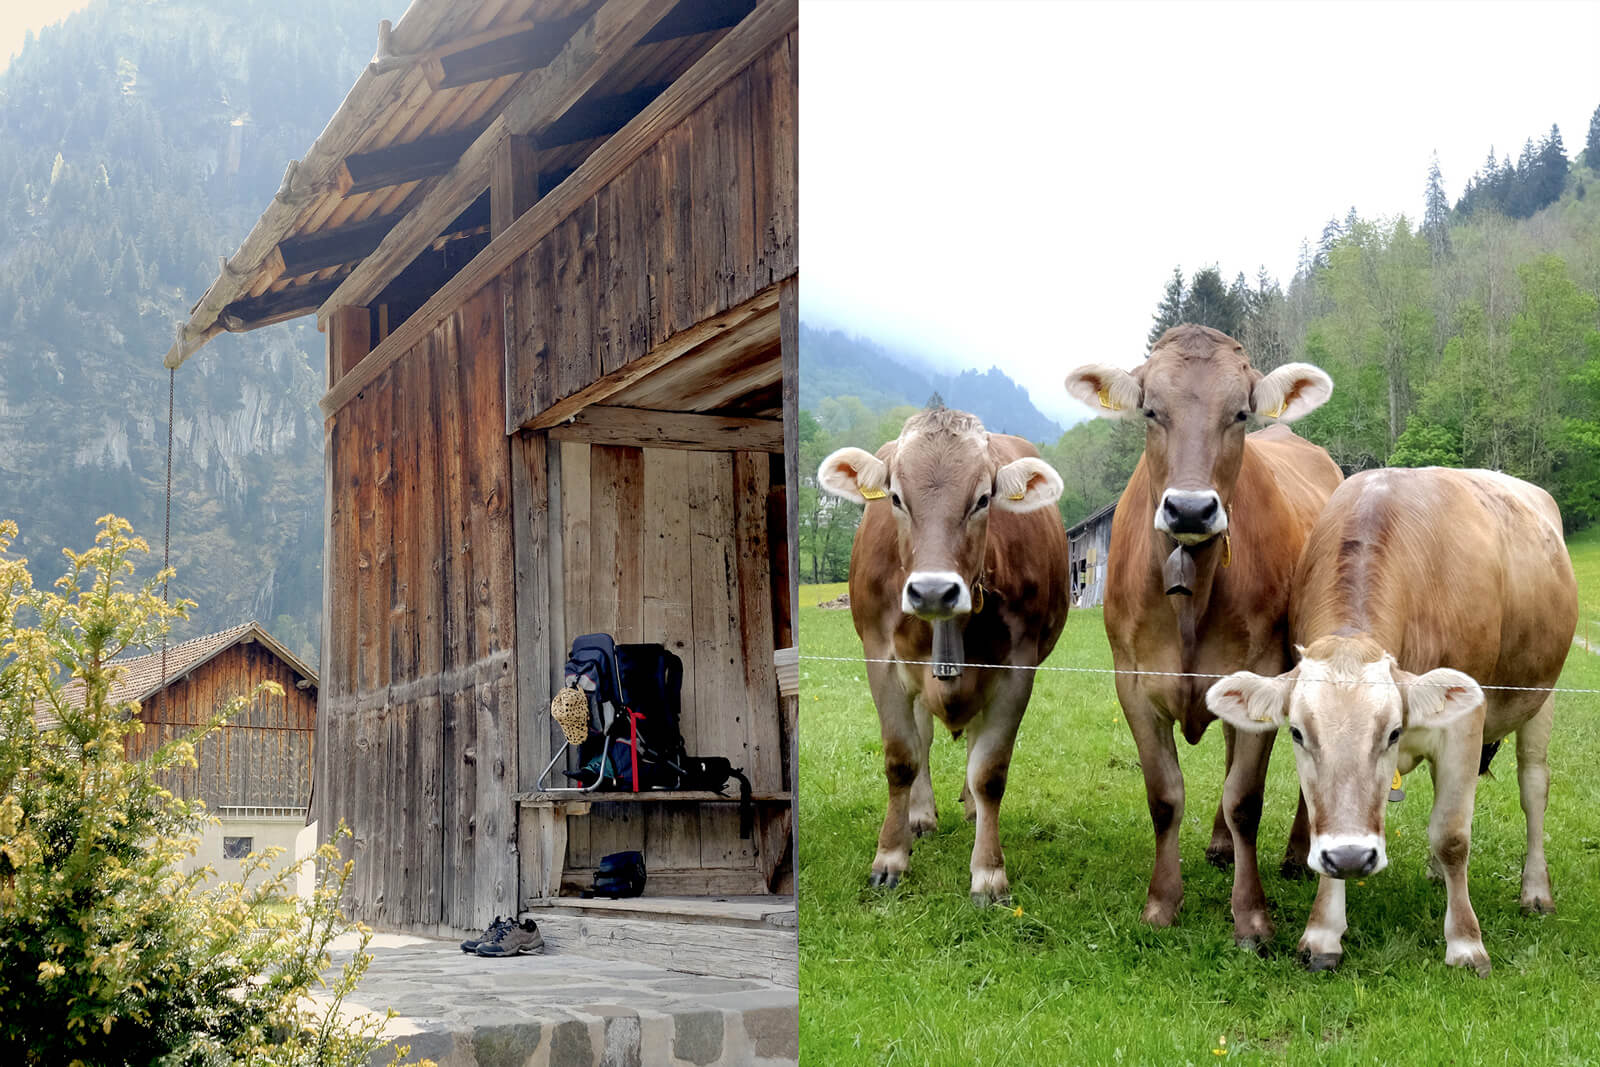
(1069, 975)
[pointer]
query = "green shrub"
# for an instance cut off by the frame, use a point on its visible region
(109, 954)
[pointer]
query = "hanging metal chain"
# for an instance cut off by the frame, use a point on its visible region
(166, 534)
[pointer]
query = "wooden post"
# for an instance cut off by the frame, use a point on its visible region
(789, 343)
(513, 182)
(349, 340)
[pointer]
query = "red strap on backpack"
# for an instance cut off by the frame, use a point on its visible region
(633, 739)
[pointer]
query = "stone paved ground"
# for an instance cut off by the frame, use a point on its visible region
(563, 1010)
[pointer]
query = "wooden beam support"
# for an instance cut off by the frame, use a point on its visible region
(513, 183)
(600, 45)
(640, 428)
(745, 42)
(789, 342)
(599, 117)
(514, 49)
(349, 341)
(333, 248)
(694, 17)
(426, 157)
(254, 312)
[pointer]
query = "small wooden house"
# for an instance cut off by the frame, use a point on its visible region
(553, 244)
(254, 773)
(1088, 543)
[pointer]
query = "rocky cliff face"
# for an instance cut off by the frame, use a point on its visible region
(139, 140)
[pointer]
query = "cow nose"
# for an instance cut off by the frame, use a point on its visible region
(1349, 861)
(933, 595)
(1189, 513)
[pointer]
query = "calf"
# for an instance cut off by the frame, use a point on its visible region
(961, 549)
(1416, 587)
(1203, 544)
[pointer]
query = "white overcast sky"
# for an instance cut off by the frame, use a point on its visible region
(1012, 183)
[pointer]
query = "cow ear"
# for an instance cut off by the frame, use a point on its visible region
(1250, 701)
(855, 474)
(1026, 484)
(1438, 698)
(1292, 391)
(1110, 392)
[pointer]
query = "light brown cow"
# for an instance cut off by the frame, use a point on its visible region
(1203, 544)
(960, 536)
(1460, 574)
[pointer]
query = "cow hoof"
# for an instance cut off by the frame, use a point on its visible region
(984, 900)
(923, 826)
(1254, 944)
(1476, 959)
(1538, 906)
(1295, 869)
(990, 886)
(1159, 913)
(1220, 858)
(884, 879)
(1320, 961)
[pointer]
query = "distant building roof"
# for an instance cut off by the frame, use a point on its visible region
(140, 676)
(1092, 518)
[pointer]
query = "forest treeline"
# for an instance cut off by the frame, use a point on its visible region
(1467, 338)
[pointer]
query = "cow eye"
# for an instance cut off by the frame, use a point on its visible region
(1394, 736)
(1296, 736)
(894, 498)
(983, 502)
(1149, 413)
(1241, 416)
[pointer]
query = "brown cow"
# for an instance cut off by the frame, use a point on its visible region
(1460, 574)
(961, 546)
(1203, 544)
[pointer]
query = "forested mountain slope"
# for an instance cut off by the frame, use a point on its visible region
(139, 140)
(835, 366)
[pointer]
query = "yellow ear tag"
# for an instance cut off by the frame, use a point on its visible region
(873, 494)
(1398, 781)
(1105, 402)
(1227, 550)
(1283, 405)
(1017, 496)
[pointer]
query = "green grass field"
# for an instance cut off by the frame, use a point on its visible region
(916, 974)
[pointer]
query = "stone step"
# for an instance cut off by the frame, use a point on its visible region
(754, 912)
(565, 1009)
(768, 953)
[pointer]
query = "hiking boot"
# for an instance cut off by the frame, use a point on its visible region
(496, 928)
(516, 939)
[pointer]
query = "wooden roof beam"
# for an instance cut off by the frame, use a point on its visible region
(641, 428)
(601, 44)
(254, 312)
(599, 117)
(514, 49)
(331, 248)
(694, 17)
(426, 157)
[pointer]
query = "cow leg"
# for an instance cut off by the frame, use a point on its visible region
(924, 812)
(902, 744)
(1295, 863)
(1163, 788)
(1533, 781)
(1450, 841)
(1219, 853)
(1241, 800)
(988, 764)
(1321, 946)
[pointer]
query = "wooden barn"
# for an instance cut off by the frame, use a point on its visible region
(1088, 542)
(553, 245)
(254, 773)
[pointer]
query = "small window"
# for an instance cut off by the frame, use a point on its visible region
(237, 848)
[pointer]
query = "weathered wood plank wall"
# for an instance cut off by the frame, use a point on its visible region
(419, 691)
(262, 757)
(699, 224)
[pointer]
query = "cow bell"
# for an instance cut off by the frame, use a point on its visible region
(949, 650)
(1177, 574)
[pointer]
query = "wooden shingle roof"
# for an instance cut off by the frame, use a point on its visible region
(140, 676)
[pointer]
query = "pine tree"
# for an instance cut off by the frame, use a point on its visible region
(1436, 213)
(1170, 311)
(1209, 303)
(1591, 147)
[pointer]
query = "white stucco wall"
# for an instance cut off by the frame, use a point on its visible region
(286, 831)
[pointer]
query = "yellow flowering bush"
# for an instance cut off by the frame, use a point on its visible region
(109, 954)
